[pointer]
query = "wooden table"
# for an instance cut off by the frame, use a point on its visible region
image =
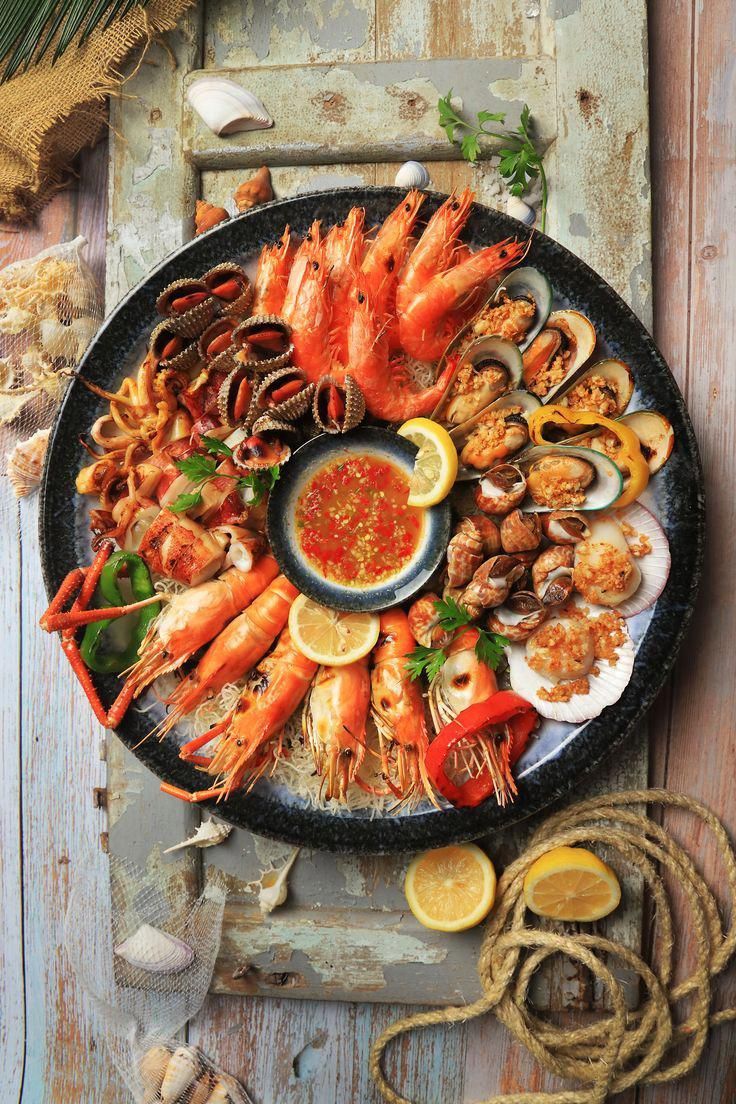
(316, 1052)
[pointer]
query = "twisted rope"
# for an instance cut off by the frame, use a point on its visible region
(623, 1048)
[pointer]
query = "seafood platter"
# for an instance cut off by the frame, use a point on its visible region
(373, 520)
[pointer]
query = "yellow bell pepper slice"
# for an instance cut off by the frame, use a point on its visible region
(573, 423)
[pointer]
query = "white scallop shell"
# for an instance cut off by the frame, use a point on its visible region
(412, 174)
(520, 210)
(654, 567)
(25, 463)
(605, 687)
(208, 834)
(226, 108)
(155, 951)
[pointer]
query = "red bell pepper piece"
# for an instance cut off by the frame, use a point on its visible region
(481, 722)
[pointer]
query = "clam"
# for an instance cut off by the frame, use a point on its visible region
(227, 108)
(217, 338)
(560, 477)
(264, 342)
(188, 305)
(170, 349)
(338, 407)
(487, 368)
(604, 388)
(284, 393)
(552, 575)
(500, 490)
(235, 396)
(556, 354)
(565, 527)
(230, 285)
(412, 174)
(494, 433)
(521, 614)
(517, 310)
(25, 463)
(655, 434)
(155, 951)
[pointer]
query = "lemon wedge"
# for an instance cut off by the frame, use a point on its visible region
(330, 637)
(435, 466)
(451, 889)
(570, 883)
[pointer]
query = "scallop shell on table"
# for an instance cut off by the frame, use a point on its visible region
(226, 107)
(353, 402)
(155, 951)
(412, 174)
(605, 688)
(25, 463)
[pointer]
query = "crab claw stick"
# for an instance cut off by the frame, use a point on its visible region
(334, 721)
(238, 648)
(194, 618)
(181, 549)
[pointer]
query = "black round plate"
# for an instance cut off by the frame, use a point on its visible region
(65, 539)
(282, 534)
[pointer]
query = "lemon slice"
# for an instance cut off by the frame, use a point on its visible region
(451, 889)
(329, 636)
(570, 883)
(435, 466)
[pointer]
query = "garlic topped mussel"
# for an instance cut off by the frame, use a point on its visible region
(486, 369)
(517, 310)
(560, 477)
(605, 388)
(656, 436)
(493, 434)
(557, 352)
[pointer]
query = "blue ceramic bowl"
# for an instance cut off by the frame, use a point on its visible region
(282, 530)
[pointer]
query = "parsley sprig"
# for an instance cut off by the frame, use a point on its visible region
(453, 617)
(201, 468)
(520, 162)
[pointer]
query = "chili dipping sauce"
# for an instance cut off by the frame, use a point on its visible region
(353, 522)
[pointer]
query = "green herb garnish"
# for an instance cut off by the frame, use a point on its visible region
(489, 647)
(202, 469)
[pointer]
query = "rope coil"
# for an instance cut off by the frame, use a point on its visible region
(624, 1048)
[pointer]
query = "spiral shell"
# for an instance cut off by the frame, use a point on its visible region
(183, 357)
(225, 274)
(424, 623)
(464, 554)
(182, 1070)
(288, 409)
(259, 356)
(520, 532)
(519, 617)
(491, 584)
(25, 463)
(552, 574)
(351, 405)
(189, 322)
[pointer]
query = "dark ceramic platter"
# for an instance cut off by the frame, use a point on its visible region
(65, 540)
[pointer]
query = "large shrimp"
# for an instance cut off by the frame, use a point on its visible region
(463, 680)
(398, 712)
(387, 255)
(195, 617)
(390, 392)
(435, 314)
(272, 275)
(437, 250)
(273, 691)
(343, 252)
(333, 722)
(308, 310)
(238, 648)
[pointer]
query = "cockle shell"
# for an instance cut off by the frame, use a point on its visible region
(208, 834)
(520, 210)
(289, 409)
(182, 1071)
(412, 174)
(228, 270)
(226, 108)
(274, 885)
(353, 401)
(155, 951)
(25, 463)
(263, 360)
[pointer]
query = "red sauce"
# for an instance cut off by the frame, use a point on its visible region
(353, 523)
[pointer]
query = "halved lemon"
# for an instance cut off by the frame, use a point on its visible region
(452, 888)
(435, 466)
(570, 883)
(329, 636)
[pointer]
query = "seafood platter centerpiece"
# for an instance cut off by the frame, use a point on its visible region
(371, 520)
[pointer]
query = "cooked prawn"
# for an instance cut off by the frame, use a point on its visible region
(272, 275)
(387, 254)
(437, 250)
(334, 721)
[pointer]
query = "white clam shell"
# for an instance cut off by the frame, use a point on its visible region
(412, 174)
(182, 1071)
(208, 834)
(226, 108)
(520, 210)
(155, 951)
(605, 687)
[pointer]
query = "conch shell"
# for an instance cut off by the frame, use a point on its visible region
(226, 108)
(25, 463)
(258, 189)
(206, 215)
(208, 834)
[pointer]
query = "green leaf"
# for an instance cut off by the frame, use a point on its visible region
(217, 448)
(491, 117)
(197, 467)
(470, 147)
(525, 117)
(185, 502)
(489, 648)
(429, 660)
(450, 614)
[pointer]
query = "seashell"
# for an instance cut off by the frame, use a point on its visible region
(565, 527)
(170, 349)
(412, 174)
(264, 341)
(152, 1067)
(464, 554)
(613, 386)
(654, 567)
(498, 431)
(188, 306)
(155, 951)
(217, 338)
(656, 436)
(285, 394)
(227, 108)
(520, 532)
(235, 397)
(520, 210)
(208, 834)
(207, 215)
(491, 584)
(424, 623)
(258, 189)
(338, 407)
(590, 480)
(274, 886)
(567, 334)
(25, 463)
(229, 283)
(183, 1069)
(226, 1090)
(552, 574)
(258, 452)
(500, 490)
(519, 617)
(201, 1091)
(495, 366)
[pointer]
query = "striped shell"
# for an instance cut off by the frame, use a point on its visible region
(262, 359)
(185, 360)
(240, 305)
(288, 409)
(192, 321)
(351, 401)
(464, 554)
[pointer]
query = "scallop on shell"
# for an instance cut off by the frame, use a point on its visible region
(227, 108)
(338, 407)
(25, 463)
(155, 951)
(412, 174)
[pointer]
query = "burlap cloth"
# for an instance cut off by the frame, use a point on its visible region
(51, 112)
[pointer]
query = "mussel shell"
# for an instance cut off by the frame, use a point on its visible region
(460, 434)
(354, 405)
(613, 371)
(290, 409)
(600, 494)
(266, 362)
(184, 361)
(656, 436)
(524, 283)
(483, 350)
(242, 304)
(569, 324)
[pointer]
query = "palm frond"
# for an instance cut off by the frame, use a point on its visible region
(29, 27)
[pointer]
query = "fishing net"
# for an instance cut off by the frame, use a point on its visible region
(145, 976)
(50, 309)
